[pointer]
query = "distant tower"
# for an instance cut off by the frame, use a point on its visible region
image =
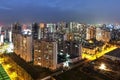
(41, 30)
(35, 30)
(2, 38)
(10, 36)
(0, 29)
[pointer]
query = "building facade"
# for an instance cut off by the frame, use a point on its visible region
(45, 54)
(103, 35)
(22, 43)
(90, 33)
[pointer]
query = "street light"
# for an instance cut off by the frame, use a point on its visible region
(102, 66)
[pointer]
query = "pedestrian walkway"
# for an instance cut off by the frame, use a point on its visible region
(3, 74)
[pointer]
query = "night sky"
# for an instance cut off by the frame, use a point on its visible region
(84, 11)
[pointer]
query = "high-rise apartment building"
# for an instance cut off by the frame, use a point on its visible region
(22, 43)
(45, 54)
(26, 48)
(90, 32)
(103, 35)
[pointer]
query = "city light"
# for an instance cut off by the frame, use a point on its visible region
(42, 25)
(102, 66)
(95, 56)
(46, 46)
(61, 53)
(26, 32)
(66, 64)
(67, 55)
(90, 41)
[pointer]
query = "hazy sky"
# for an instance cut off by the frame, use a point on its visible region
(87, 11)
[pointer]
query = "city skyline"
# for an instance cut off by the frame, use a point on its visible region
(85, 11)
(59, 40)
(57, 51)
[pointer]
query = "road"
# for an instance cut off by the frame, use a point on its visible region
(62, 71)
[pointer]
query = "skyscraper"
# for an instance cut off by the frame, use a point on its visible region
(35, 30)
